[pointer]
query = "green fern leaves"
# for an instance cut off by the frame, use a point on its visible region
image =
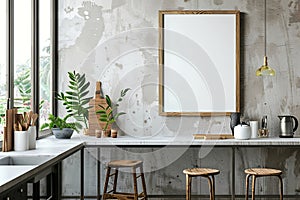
(75, 100)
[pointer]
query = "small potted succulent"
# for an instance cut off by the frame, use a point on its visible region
(109, 114)
(60, 127)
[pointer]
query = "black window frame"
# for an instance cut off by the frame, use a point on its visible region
(35, 84)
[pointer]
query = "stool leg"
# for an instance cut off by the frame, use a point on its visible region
(213, 186)
(210, 188)
(106, 182)
(135, 184)
(116, 180)
(247, 186)
(188, 186)
(280, 187)
(253, 186)
(143, 182)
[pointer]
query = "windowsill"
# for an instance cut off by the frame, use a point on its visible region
(44, 134)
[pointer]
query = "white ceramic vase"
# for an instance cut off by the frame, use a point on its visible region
(32, 137)
(21, 140)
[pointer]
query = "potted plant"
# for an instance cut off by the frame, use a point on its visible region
(75, 99)
(60, 127)
(109, 114)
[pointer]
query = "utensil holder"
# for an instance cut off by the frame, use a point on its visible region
(21, 140)
(32, 137)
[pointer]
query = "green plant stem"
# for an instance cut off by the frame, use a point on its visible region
(77, 92)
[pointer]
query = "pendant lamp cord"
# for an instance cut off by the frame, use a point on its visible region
(265, 27)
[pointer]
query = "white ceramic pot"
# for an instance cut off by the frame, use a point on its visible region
(21, 140)
(242, 132)
(32, 137)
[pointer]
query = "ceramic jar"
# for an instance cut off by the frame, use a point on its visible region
(242, 132)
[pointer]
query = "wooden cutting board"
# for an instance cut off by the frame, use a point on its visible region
(94, 122)
(213, 136)
(8, 137)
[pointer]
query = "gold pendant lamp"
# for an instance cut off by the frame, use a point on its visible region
(265, 69)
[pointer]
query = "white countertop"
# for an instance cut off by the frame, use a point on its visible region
(182, 141)
(10, 175)
(59, 149)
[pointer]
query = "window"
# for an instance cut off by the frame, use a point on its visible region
(3, 55)
(22, 55)
(30, 44)
(45, 60)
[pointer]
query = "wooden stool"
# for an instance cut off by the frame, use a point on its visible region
(259, 172)
(202, 172)
(116, 164)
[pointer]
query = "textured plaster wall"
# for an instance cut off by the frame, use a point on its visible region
(116, 41)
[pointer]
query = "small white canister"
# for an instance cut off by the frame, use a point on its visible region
(21, 140)
(32, 137)
(242, 132)
(254, 129)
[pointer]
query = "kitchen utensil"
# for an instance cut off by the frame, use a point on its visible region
(211, 136)
(94, 122)
(34, 118)
(288, 125)
(242, 132)
(30, 118)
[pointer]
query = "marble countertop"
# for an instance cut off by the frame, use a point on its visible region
(57, 150)
(60, 149)
(183, 141)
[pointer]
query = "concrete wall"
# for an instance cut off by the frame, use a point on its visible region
(106, 40)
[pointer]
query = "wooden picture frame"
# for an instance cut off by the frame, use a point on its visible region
(199, 62)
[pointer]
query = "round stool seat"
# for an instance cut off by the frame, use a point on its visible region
(112, 170)
(263, 172)
(201, 171)
(124, 163)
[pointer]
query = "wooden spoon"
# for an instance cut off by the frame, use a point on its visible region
(34, 118)
(30, 117)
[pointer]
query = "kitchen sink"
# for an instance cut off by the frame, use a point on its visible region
(24, 160)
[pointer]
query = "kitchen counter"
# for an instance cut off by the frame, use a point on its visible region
(183, 141)
(60, 149)
(180, 143)
(57, 150)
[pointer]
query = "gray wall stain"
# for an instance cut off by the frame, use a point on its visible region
(294, 11)
(94, 26)
(218, 2)
(298, 82)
